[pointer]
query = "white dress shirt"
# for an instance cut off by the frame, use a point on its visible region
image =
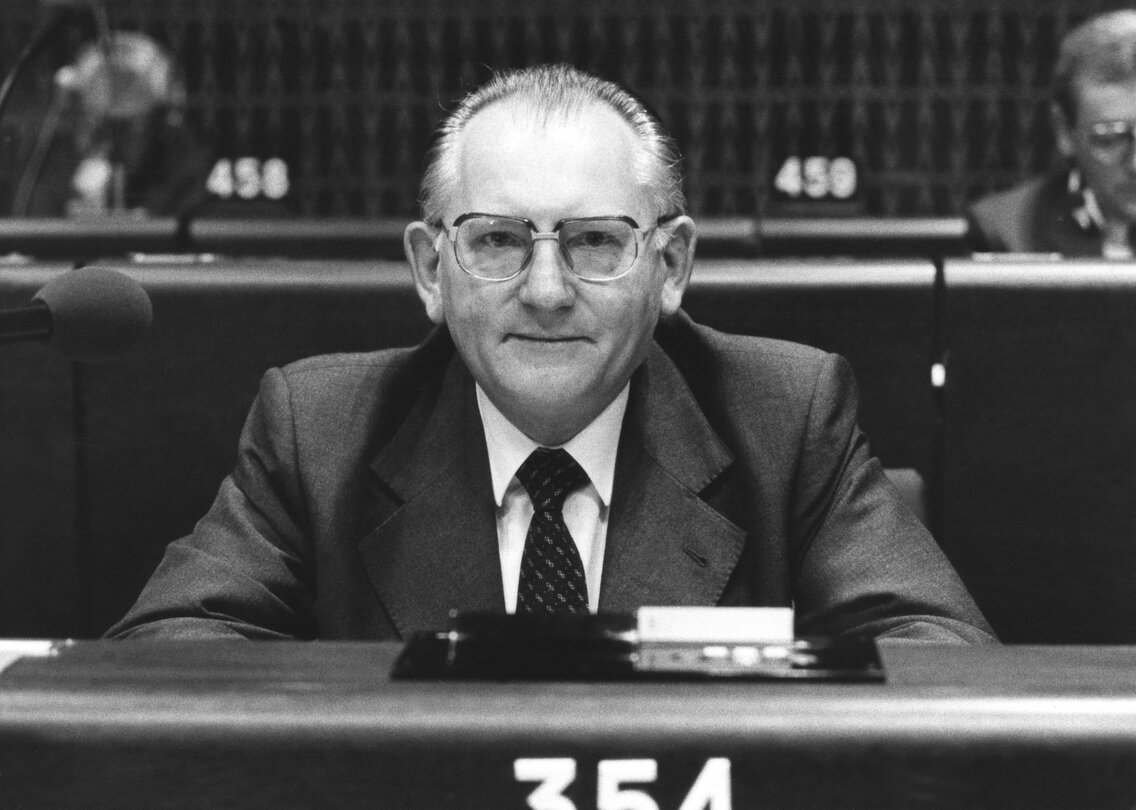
(1114, 235)
(585, 510)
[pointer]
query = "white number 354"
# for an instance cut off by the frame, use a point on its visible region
(710, 791)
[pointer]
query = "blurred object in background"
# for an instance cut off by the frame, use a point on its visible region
(113, 140)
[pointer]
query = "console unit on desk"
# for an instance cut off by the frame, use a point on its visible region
(1040, 459)
(298, 725)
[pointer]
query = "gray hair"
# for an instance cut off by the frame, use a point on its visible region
(549, 90)
(1101, 50)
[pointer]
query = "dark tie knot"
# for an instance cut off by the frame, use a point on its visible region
(549, 475)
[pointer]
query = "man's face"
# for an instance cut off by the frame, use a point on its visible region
(1104, 154)
(549, 349)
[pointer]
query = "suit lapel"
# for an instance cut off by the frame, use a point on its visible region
(665, 545)
(437, 549)
(1055, 226)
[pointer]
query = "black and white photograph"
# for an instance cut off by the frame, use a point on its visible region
(568, 404)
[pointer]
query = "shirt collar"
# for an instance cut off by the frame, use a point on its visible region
(1115, 238)
(594, 447)
(1092, 212)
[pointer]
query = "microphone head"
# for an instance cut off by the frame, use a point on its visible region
(95, 312)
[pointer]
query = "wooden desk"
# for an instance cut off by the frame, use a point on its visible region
(121, 724)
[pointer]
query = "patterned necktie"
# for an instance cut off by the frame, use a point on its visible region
(552, 575)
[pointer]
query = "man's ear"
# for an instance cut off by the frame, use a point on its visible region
(418, 242)
(678, 260)
(1062, 132)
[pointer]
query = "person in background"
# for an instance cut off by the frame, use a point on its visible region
(567, 439)
(1087, 206)
(114, 139)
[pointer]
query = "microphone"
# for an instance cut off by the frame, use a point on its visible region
(84, 314)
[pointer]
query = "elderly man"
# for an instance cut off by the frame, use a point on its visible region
(1087, 207)
(567, 439)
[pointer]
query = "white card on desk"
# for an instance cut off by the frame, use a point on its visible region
(13, 649)
(724, 625)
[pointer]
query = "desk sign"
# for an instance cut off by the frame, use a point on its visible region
(13, 649)
(815, 185)
(717, 641)
(652, 644)
(706, 625)
(621, 784)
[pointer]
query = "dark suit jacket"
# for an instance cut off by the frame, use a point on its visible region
(361, 505)
(1034, 217)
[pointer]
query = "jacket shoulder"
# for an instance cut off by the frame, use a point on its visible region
(1010, 200)
(414, 365)
(754, 385)
(702, 352)
(365, 394)
(310, 370)
(1004, 220)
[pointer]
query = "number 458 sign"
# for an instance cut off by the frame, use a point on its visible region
(249, 178)
(710, 791)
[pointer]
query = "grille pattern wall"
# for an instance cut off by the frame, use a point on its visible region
(936, 100)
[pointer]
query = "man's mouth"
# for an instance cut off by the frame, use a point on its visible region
(546, 338)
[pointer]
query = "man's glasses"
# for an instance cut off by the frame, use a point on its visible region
(1110, 141)
(498, 248)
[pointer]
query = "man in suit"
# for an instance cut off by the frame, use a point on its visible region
(1088, 205)
(375, 493)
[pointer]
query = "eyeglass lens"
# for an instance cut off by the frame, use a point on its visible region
(499, 247)
(1111, 139)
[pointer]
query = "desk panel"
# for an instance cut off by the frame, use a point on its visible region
(320, 724)
(39, 577)
(1040, 464)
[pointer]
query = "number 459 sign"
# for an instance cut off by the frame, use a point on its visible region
(710, 791)
(817, 178)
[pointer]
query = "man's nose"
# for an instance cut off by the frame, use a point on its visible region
(547, 281)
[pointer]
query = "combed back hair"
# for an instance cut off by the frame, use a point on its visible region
(545, 91)
(1101, 50)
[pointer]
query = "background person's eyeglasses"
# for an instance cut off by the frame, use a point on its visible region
(498, 248)
(1110, 141)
